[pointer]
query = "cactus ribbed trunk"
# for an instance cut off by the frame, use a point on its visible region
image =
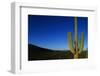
(76, 35)
(76, 56)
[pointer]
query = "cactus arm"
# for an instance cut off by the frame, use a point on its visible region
(70, 42)
(81, 43)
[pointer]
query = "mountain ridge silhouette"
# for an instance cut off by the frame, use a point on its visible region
(39, 53)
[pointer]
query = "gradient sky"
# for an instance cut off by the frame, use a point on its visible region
(52, 31)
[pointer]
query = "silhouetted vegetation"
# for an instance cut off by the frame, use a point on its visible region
(38, 53)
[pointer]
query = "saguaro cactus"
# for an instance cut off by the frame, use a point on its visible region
(76, 46)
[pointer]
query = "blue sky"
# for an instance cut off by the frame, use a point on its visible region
(52, 31)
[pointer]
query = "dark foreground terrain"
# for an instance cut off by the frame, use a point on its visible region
(38, 53)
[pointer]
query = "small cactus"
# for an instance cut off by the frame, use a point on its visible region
(77, 46)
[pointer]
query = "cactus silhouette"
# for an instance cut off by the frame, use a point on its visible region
(76, 46)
